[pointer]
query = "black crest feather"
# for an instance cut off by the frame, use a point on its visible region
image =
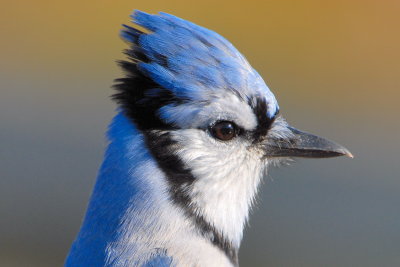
(139, 96)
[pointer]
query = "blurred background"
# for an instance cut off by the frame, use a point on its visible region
(334, 67)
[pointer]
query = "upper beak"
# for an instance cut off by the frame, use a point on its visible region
(306, 145)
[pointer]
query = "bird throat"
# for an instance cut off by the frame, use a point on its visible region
(181, 180)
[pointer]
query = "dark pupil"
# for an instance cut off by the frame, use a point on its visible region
(224, 130)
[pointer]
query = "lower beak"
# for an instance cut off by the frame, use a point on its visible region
(305, 145)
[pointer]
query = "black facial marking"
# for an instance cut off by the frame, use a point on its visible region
(264, 123)
(163, 148)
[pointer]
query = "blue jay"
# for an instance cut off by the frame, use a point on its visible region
(195, 132)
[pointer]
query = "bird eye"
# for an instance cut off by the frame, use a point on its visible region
(224, 130)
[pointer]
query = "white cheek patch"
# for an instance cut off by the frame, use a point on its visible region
(227, 176)
(226, 106)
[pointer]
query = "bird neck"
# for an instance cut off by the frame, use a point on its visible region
(130, 217)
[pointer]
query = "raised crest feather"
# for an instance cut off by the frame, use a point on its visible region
(178, 61)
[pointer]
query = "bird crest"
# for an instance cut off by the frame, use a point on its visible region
(177, 68)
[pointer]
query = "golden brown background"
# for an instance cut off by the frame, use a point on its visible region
(333, 65)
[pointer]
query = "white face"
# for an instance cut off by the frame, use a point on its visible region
(220, 132)
(218, 144)
(223, 105)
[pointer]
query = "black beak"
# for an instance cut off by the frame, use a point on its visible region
(305, 145)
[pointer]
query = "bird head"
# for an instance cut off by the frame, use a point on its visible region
(207, 117)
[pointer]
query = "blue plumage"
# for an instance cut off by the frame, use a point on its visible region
(159, 261)
(194, 133)
(193, 62)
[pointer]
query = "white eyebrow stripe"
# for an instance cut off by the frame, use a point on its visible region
(198, 115)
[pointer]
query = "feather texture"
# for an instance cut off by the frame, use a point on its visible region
(168, 193)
